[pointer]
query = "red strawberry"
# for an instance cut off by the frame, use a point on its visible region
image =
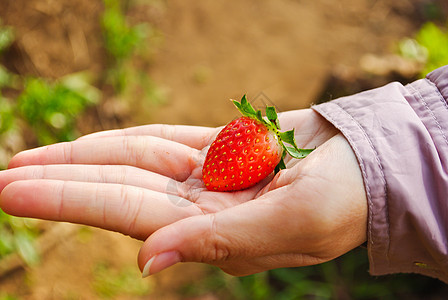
(247, 150)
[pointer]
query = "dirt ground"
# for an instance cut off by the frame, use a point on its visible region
(280, 50)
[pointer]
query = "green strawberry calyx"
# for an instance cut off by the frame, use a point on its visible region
(286, 139)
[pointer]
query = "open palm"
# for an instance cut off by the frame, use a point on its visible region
(145, 180)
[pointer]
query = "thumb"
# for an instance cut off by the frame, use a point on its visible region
(235, 235)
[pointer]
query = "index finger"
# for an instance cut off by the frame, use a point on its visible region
(193, 136)
(151, 153)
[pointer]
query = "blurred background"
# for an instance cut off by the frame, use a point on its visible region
(69, 68)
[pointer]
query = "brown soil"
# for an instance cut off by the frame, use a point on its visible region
(281, 50)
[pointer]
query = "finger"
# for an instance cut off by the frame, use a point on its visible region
(130, 210)
(126, 175)
(150, 153)
(193, 136)
(254, 229)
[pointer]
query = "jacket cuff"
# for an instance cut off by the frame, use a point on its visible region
(397, 134)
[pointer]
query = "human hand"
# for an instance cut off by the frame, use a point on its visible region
(147, 181)
(307, 214)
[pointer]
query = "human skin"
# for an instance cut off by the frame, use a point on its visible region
(145, 182)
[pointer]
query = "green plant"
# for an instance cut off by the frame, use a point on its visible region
(429, 47)
(120, 41)
(7, 118)
(17, 235)
(51, 108)
(6, 80)
(128, 48)
(109, 282)
(346, 277)
(4, 296)
(435, 41)
(6, 36)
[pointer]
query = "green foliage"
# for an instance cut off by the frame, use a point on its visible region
(7, 113)
(4, 296)
(110, 282)
(51, 108)
(429, 47)
(346, 277)
(6, 79)
(126, 45)
(120, 41)
(7, 117)
(17, 235)
(6, 37)
(435, 41)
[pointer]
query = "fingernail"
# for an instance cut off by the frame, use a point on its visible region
(145, 272)
(160, 262)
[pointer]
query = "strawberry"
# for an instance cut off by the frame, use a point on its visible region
(247, 150)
